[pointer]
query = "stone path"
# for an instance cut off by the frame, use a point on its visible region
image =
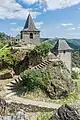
(20, 100)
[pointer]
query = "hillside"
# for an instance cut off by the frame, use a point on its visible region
(74, 43)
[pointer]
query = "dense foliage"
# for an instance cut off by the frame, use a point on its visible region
(76, 58)
(43, 48)
(75, 75)
(34, 79)
(6, 56)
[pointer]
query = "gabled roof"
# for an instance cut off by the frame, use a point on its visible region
(61, 45)
(29, 25)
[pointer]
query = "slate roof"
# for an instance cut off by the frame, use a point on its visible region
(29, 25)
(61, 45)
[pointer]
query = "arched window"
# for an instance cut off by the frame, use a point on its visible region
(64, 51)
(31, 35)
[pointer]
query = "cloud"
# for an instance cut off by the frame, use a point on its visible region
(38, 24)
(66, 24)
(30, 1)
(13, 23)
(11, 9)
(54, 4)
(71, 28)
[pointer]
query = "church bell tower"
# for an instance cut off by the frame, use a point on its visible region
(30, 34)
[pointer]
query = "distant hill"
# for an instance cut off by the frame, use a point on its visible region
(74, 43)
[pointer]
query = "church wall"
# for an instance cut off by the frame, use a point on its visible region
(36, 38)
(66, 57)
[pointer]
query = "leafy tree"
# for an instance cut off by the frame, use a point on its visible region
(43, 48)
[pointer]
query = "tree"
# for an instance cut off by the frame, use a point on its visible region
(43, 48)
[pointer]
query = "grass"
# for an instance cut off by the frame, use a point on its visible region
(45, 116)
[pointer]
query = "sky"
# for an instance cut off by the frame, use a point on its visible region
(54, 18)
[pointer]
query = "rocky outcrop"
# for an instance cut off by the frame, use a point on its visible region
(6, 74)
(29, 60)
(66, 112)
(61, 83)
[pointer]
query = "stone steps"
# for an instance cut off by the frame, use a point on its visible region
(42, 65)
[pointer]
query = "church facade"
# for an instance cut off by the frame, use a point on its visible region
(30, 34)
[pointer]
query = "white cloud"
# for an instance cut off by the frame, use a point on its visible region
(54, 4)
(71, 28)
(11, 9)
(13, 23)
(30, 1)
(66, 24)
(38, 24)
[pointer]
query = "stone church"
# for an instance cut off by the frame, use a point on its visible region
(30, 34)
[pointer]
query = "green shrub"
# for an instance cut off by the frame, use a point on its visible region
(34, 79)
(76, 58)
(75, 75)
(43, 48)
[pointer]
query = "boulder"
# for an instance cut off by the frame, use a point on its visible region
(66, 112)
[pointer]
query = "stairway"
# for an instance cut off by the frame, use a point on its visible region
(42, 65)
(10, 87)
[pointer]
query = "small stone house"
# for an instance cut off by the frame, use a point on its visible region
(64, 52)
(30, 34)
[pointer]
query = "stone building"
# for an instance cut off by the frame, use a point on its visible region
(64, 52)
(30, 34)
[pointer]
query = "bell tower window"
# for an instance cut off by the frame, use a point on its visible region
(64, 51)
(31, 35)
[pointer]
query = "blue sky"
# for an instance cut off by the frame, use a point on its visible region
(55, 18)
